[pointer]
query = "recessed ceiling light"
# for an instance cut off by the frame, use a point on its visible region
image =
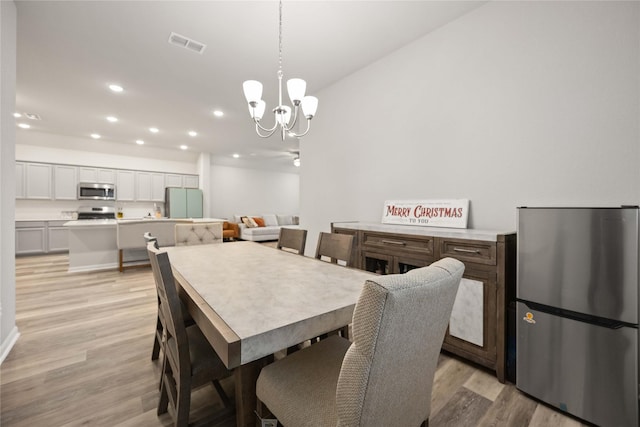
(17, 115)
(95, 136)
(183, 147)
(154, 130)
(116, 88)
(236, 156)
(112, 119)
(139, 142)
(23, 125)
(193, 133)
(218, 113)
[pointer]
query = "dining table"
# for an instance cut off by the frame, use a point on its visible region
(251, 301)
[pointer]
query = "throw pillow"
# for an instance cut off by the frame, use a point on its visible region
(249, 222)
(259, 221)
(270, 219)
(285, 220)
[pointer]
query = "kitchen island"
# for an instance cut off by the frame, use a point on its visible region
(103, 244)
(92, 244)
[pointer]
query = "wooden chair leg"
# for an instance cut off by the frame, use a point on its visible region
(155, 353)
(264, 413)
(163, 403)
(344, 332)
(182, 404)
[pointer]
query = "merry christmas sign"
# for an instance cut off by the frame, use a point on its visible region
(429, 213)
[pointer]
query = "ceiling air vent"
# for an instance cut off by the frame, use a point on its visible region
(187, 43)
(32, 116)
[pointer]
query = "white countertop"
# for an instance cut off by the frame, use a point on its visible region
(114, 222)
(41, 219)
(152, 219)
(85, 223)
(453, 233)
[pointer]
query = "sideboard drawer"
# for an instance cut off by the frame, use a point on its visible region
(423, 245)
(471, 251)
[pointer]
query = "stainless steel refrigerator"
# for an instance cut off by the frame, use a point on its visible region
(183, 202)
(577, 311)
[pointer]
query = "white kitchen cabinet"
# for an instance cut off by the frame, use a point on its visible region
(21, 191)
(86, 174)
(107, 176)
(65, 180)
(190, 181)
(157, 187)
(31, 237)
(143, 186)
(38, 181)
(172, 180)
(149, 186)
(57, 237)
(89, 174)
(125, 185)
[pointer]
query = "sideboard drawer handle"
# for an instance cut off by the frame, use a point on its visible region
(467, 251)
(394, 242)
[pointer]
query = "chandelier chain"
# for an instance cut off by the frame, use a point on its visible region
(280, 38)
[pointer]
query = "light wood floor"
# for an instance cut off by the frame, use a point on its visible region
(83, 358)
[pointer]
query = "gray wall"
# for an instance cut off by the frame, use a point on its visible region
(8, 330)
(252, 192)
(516, 103)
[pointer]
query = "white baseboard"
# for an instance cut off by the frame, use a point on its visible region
(8, 343)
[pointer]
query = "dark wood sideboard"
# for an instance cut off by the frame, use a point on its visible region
(478, 327)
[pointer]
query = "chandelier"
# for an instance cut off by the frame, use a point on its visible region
(296, 89)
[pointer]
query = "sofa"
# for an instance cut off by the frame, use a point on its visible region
(267, 227)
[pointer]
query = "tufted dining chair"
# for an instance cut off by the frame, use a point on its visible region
(292, 238)
(189, 359)
(198, 233)
(383, 378)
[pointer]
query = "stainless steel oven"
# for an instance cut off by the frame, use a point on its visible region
(96, 191)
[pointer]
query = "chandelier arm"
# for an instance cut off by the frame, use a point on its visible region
(300, 135)
(269, 132)
(258, 125)
(288, 126)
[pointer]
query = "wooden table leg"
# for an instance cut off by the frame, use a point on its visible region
(245, 382)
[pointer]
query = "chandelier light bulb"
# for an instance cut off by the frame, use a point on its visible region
(309, 106)
(296, 89)
(283, 116)
(258, 111)
(252, 91)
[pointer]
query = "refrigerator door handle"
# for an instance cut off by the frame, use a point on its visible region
(580, 317)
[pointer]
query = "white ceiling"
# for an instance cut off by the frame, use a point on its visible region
(69, 51)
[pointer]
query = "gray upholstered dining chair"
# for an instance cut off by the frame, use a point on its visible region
(198, 233)
(336, 247)
(292, 238)
(383, 378)
(189, 360)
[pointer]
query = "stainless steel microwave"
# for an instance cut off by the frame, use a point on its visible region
(96, 191)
